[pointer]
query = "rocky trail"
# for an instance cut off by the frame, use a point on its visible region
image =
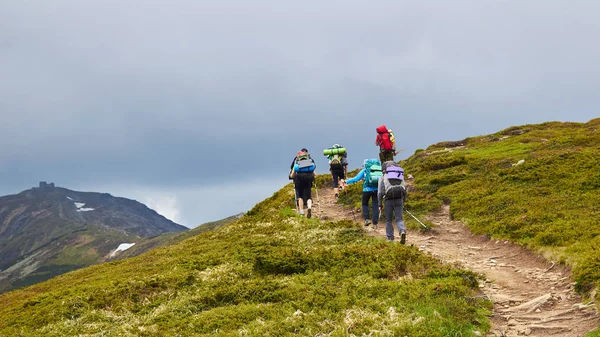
(531, 296)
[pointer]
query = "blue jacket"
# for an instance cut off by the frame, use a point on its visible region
(361, 176)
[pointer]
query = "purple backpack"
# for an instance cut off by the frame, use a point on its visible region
(394, 172)
(394, 185)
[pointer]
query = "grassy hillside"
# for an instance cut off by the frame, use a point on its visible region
(269, 273)
(550, 202)
(147, 244)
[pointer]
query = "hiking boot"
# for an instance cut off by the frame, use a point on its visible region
(367, 222)
(336, 196)
(403, 238)
(302, 212)
(309, 213)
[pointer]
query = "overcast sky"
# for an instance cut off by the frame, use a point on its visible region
(197, 107)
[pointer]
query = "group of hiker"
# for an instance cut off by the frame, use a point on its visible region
(383, 182)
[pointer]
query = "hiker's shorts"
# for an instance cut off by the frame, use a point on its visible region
(386, 156)
(303, 190)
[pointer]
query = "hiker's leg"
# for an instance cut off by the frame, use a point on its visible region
(399, 210)
(306, 193)
(365, 204)
(307, 196)
(298, 189)
(381, 157)
(336, 177)
(389, 210)
(375, 209)
(303, 194)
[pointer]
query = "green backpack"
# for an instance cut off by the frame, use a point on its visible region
(373, 172)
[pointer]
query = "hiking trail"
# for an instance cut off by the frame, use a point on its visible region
(531, 296)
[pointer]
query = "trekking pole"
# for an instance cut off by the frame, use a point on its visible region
(353, 216)
(419, 221)
(317, 192)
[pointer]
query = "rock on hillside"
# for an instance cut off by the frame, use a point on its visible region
(48, 230)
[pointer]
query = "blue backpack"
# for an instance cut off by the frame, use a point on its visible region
(373, 172)
(303, 163)
(304, 166)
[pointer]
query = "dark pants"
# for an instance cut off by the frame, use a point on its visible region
(386, 156)
(365, 206)
(337, 175)
(394, 207)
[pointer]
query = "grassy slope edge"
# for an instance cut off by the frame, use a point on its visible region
(269, 273)
(549, 203)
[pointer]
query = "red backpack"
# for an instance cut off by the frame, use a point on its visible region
(383, 138)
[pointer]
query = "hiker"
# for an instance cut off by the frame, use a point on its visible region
(338, 166)
(303, 174)
(391, 196)
(370, 173)
(386, 142)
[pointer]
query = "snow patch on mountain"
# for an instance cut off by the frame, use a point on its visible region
(122, 247)
(80, 207)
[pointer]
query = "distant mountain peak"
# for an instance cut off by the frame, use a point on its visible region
(49, 230)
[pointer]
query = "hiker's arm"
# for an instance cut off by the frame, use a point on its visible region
(358, 177)
(345, 165)
(380, 192)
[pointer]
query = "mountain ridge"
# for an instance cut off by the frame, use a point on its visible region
(68, 229)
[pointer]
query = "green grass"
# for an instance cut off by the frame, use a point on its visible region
(270, 273)
(595, 333)
(549, 203)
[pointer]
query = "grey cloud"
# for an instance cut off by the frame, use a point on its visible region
(178, 93)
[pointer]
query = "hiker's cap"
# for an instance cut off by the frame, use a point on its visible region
(304, 150)
(336, 145)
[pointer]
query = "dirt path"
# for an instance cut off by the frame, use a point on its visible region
(532, 297)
